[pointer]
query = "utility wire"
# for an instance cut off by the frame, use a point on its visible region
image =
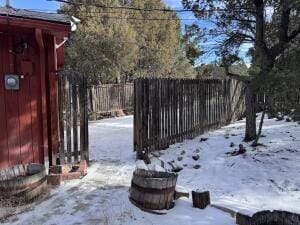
(98, 15)
(104, 12)
(121, 7)
(147, 10)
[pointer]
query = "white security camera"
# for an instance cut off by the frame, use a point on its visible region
(74, 22)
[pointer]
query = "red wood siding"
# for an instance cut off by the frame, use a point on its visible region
(4, 155)
(20, 111)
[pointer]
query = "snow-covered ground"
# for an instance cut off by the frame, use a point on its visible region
(263, 178)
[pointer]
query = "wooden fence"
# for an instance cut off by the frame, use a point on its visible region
(170, 110)
(109, 98)
(282, 102)
(73, 119)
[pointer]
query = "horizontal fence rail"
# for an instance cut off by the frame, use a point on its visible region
(167, 111)
(109, 98)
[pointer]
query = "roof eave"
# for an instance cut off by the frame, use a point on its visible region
(60, 29)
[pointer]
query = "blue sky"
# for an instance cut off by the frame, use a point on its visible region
(33, 4)
(187, 17)
(48, 5)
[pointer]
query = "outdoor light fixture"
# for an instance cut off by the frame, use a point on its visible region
(74, 23)
(12, 82)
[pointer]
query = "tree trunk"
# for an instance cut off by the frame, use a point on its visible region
(250, 133)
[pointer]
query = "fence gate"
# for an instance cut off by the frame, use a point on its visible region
(73, 119)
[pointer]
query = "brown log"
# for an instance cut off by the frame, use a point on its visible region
(200, 199)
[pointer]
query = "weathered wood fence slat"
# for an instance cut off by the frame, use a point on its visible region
(73, 119)
(109, 98)
(167, 111)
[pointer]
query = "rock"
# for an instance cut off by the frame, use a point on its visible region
(232, 144)
(196, 157)
(183, 152)
(140, 164)
(144, 156)
(120, 113)
(83, 167)
(280, 117)
(159, 168)
(203, 139)
(155, 154)
(179, 158)
(154, 167)
(197, 166)
(236, 152)
(180, 194)
(242, 149)
(175, 167)
(162, 163)
(288, 120)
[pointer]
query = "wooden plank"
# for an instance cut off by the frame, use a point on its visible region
(4, 153)
(75, 120)
(84, 137)
(26, 133)
(61, 106)
(68, 119)
(12, 110)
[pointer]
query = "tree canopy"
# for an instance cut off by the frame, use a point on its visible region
(117, 45)
(271, 27)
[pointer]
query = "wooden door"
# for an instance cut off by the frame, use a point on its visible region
(20, 110)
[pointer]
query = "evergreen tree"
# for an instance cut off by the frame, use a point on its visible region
(117, 45)
(271, 26)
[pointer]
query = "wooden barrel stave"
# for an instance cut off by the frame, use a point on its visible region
(23, 182)
(153, 190)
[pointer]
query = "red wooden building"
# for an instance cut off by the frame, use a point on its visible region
(31, 54)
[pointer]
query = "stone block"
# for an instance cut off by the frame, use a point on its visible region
(54, 179)
(83, 167)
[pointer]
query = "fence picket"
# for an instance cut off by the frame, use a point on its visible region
(109, 98)
(168, 110)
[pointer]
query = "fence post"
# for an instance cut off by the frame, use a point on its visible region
(61, 100)
(84, 145)
(75, 117)
(67, 90)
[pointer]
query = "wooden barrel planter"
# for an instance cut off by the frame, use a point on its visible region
(22, 183)
(153, 190)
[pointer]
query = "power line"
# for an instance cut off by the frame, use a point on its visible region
(122, 7)
(142, 19)
(148, 10)
(98, 15)
(112, 12)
